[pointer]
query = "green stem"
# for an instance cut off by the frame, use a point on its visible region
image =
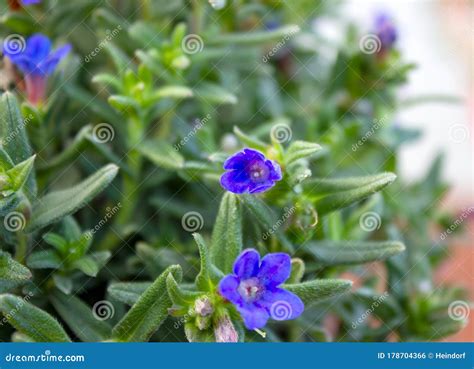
(21, 247)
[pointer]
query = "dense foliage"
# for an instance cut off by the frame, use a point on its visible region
(115, 225)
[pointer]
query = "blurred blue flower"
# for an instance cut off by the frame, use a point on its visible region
(386, 31)
(254, 288)
(30, 2)
(36, 60)
(250, 172)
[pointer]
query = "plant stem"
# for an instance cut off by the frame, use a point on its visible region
(21, 247)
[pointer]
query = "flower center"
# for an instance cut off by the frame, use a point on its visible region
(250, 289)
(258, 172)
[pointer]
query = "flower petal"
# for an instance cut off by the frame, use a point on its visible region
(275, 170)
(236, 161)
(38, 47)
(254, 317)
(261, 187)
(246, 265)
(235, 181)
(228, 288)
(282, 304)
(49, 65)
(274, 269)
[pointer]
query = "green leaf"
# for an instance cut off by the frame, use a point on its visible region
(319, 289)
(120, 59)
(20, 173)
(12, 273)
(63, 283)
(162, 154)
(208, 276)
(214, 94)
(174, 92)
(179, 296)
(47, 259)
(264, 215)
(227, 241)
(149, 312)
(80, 318)
(250, 141)
(124, 104)
(14, 139)
(108, 80)
(300, 150)
(254, 38)
(87, 265)
(57, 241)
(127, 292)
(56, 205)
(353, 252)
(30, 320)
(13, 129)
(345, 198)
(297, 270)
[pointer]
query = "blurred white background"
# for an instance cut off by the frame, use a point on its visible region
(438, 36)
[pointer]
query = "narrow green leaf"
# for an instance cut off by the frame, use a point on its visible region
(87, 265)
(47, 259)
(227, 241)
(57, 241)
(124, 104)
(80, 318)
(13, 129)
(127, 292)
(108, 80)
(323, 186)
(12, 273)
(178, 295)
(149, 312)
(353, 252)
(57, 205)
(255, 37)
(119, 58)
(250, 141)
(162, 154)
(343, 199)
(300, 150)
(209, 275)
(297, 270)
(214, 94)
(30, 320)
(175, 92)
(319, 289)
(20, 173)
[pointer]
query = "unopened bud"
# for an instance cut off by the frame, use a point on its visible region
(203, 306)
(225, 330)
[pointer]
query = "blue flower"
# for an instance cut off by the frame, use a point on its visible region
(254, 288)
(37, 61)
(250, 172)
(30, 2)
(386, 31)
(16, 4)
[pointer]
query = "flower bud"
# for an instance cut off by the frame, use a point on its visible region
(203, 306)
(225, 330)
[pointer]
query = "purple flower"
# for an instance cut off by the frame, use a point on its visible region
(36, 60)
(250, 172)
(386, 31)
(254, 288)
(30, 2)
